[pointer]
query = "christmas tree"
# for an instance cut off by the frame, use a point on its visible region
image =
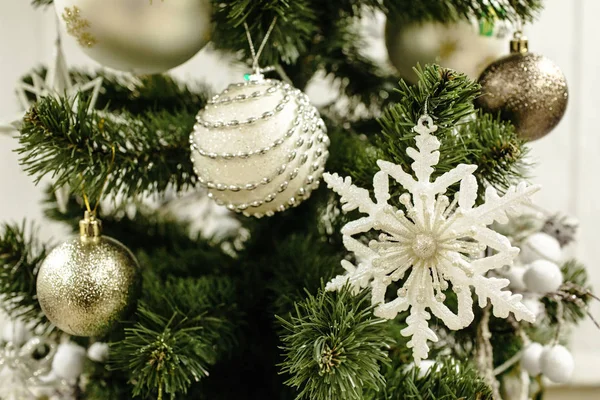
(249, 245)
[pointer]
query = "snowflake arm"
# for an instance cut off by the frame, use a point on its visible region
(462, 173)
(500, 208)
(398, 174)
(430, 244)
(419, 332)
(503, 301)
(352, 197)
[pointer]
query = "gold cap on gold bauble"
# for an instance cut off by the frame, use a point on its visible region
(526, 89)
(89, 283)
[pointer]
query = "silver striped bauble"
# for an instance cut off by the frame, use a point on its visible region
(259, 147)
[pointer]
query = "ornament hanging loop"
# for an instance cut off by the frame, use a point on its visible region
(257, 71)
(519, 43)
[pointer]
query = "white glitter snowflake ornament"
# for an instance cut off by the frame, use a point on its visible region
(433, 246)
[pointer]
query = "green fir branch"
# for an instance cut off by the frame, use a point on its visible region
(136, 95)
(465, 136)
(574, 295)
(333, 346)
(151, 152)
(20, 259)
(448, 379)
(294, 28)
(161, 356)
(210, 301)
(300, 264)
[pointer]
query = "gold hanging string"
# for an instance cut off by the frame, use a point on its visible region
(255, 54)
(85, 197)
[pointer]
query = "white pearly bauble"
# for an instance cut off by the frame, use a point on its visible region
(531, 358)
(543, 277)
(138, 36)
(259, 147)
(459, 46)
(69, 360)
(557, 364)
(539, 246)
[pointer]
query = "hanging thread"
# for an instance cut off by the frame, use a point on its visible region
(256, 55)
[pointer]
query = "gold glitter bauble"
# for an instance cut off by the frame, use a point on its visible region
(526, 89)
(87, 284)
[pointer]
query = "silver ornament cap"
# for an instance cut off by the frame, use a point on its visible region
(87, 284)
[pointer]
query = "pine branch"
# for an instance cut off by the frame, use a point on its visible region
(447, 379)
(136, 95)
(574, 294)
(20, 259)
(294, 29)
(151, 151)
(300, 264)
(466, 136)
(451, 11)
(163, 356)
(212, 298)
(333, 346)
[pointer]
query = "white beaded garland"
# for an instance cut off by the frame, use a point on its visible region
(538, 246)
(259, 147)
(531, 358)
(542, 277)
(557, 364)
(139, 36)
(69, 360)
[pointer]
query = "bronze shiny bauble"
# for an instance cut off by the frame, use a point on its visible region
(526, 89)
(89, 283)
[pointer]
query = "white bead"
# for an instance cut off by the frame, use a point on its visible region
(133, 35)
(531, 358)
(543, 277)
(515, 276)
(557, 364)
(15, 332)
(98, 352)
(276, 170)
(69, 360)
(538, 246)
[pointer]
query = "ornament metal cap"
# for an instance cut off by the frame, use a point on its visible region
(90, 227)
(519, 43)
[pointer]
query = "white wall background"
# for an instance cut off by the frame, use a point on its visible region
(568, 159)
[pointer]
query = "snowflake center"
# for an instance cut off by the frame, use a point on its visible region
(424, 246)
